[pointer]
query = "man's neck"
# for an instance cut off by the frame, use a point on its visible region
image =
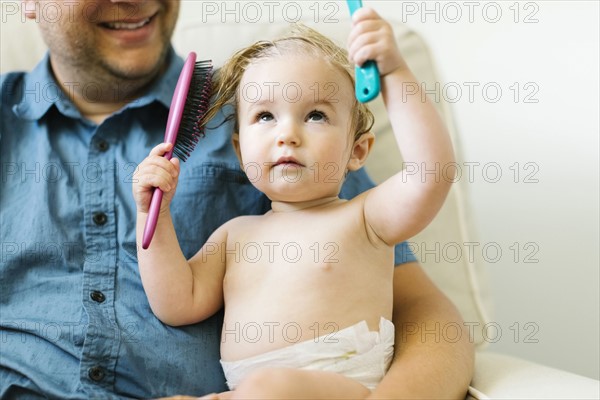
(98, 97)
(98, 112)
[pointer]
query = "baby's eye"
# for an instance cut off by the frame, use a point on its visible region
(264, 116)
(317, 116)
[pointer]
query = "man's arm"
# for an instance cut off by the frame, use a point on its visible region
(425, 365)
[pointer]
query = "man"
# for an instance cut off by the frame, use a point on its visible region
(75, 319)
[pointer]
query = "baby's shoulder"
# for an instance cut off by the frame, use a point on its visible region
(241, 222)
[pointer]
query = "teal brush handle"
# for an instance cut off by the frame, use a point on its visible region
(367, 75)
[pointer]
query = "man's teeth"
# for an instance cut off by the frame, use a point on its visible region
(127, 25)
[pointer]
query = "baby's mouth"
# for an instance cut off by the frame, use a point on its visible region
(288, 161)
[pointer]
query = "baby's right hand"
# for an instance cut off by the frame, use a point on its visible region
(155, 171)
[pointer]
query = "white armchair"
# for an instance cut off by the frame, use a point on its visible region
(496, 375)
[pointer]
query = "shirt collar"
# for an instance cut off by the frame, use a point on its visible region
(162, 90)
(41, 91)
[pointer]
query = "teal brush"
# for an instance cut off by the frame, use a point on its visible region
(367, 75)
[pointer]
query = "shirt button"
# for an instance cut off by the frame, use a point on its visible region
(98, 296)
(100, 218)
(96, 373)
(102, 145)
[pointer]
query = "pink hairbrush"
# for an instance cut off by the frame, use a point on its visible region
(189, 104)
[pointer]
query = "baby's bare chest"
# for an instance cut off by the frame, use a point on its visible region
(310, 240)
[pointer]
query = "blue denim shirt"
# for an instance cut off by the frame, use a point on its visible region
(74, 317)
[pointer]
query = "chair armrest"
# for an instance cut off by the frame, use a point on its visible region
(504, 377)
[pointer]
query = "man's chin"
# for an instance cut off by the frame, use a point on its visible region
(134, 72)
(135, 64)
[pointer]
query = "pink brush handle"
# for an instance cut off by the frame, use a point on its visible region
(173, 121)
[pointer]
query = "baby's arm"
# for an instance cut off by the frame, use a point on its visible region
(179, 292)
(409, 199)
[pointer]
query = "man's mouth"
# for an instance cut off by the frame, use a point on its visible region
(127, 25)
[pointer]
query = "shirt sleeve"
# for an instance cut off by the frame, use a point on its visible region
(357, 182)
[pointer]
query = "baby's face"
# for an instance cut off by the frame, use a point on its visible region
(294, 117)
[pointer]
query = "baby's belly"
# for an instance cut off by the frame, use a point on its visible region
(280, 309)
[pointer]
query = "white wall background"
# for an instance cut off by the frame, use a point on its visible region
(542, 135)
(540, 132)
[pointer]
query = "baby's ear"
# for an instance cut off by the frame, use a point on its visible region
(360, 151)
(235, 141)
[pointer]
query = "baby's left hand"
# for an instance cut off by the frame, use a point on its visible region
(372, 38)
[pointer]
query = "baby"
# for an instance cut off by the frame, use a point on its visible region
(307, 287)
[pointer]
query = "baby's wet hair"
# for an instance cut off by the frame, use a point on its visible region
(300, 40)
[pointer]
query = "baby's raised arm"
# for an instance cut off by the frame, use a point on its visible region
(404, 204)
(179, 292)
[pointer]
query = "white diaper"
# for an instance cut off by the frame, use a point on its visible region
(354, 352)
